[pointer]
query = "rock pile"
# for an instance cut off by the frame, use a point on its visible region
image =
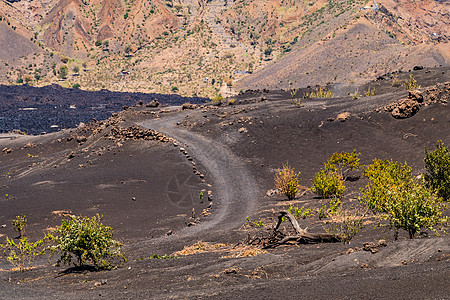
(119, 134)
(408, 107)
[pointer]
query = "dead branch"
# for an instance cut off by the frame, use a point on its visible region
(302, 236)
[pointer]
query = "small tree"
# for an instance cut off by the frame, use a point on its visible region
(286, 180)
(63, 71)
(86, 240)
(437, 164)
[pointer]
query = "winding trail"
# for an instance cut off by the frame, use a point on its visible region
(235, 188)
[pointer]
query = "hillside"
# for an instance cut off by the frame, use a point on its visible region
(203, 48)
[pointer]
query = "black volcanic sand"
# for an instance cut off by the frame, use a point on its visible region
(237, 148)
(36, 110)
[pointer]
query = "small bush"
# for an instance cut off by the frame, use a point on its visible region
(298, 101)
(86, 240)
(396, 82)
(218, 100)
(286, 180)
(394, 195)
(22, 254)
(328, 183)
(343, 162)
(370, 92)
(345, 224)
(437, 164)
(19, 224)
(411, 83)
(76, 86)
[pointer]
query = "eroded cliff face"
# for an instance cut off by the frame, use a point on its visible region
(414, 22)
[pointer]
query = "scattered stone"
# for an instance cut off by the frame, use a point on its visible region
(272, 192)
(133, 198)
(153, 103)
(7, 150)
(243, 130)
(169, 232)
(188, 105)
(102, 282)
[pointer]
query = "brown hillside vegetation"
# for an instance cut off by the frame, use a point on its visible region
(207, 48)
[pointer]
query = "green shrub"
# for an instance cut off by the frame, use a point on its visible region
(286, 180)
(370, 92)
(19, 224)
(394, 195)
(327, 183)
(320, 93)
(22, 254)
(411, 83)
(86, 240)
(437, 164)
(218, 100)
(343, 162)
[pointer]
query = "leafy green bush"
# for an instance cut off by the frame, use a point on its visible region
(85, 239)
(437, 164)
(327, 183)
(286, 180)
(343, 162)
(394, 195)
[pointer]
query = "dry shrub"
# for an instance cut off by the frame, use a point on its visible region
(286, 180)
(200, 247)
(345, 224)
(244, 251)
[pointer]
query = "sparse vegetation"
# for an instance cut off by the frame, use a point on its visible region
(218, 100)
(22, 253)
(251, 223)
(437, 164)
(85, 240)
(411, 83)
(370, 92)
(344, 224)
(286, 180)
(320, 93)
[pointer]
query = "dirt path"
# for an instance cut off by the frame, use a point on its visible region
(235, 189)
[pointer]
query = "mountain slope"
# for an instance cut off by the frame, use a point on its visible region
(208, 47)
